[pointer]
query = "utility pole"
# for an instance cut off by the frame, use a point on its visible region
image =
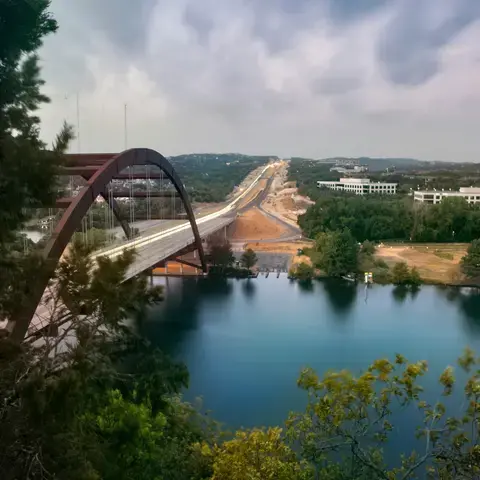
(125, 127)
(78, 124)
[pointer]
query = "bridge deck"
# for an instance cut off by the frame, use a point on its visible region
(150, 249)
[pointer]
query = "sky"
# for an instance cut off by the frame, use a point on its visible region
(312, 78)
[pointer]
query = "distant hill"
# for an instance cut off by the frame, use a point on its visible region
(379, 164)
(210, 177)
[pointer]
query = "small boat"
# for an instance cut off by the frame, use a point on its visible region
(349, 278)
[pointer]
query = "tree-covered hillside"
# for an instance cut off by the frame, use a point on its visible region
(210, 177)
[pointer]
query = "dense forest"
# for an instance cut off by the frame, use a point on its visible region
(392, 218)
(211, 177)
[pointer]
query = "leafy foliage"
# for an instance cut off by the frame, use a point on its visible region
(95, 237)
(368, 248)
(256, 455)
(471, 261)
(249, 258)
(302, 272)
(96, 401)
(402, 275)
(376, 218)
(211, 177)
(27, 169)
(347, 421)
(220, 252)
(336, 252)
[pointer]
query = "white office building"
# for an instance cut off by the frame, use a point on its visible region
(360, 186)
(470, 194)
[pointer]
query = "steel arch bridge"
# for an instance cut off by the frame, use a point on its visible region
(98, 170)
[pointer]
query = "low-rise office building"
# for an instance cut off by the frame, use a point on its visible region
(360, 186)
(470, 194)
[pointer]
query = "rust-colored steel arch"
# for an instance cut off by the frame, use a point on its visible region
(107, 168)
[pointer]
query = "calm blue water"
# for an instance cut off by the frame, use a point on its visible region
(245, 341)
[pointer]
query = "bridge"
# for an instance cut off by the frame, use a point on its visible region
(176, 232)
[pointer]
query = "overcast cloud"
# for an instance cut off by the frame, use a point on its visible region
(312, 78)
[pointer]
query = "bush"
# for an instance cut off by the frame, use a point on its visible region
(445, 255)
(471, 261)
(302, 272)
(402, 275)
(381, 263)
(368, 248)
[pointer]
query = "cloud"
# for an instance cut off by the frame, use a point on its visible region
(411, 43)
(287, 77)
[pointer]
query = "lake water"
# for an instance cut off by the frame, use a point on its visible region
(245, 341)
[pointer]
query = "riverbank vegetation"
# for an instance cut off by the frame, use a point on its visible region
(303, 272)
(386, 218)
(96, 401)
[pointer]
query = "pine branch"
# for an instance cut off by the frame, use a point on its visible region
(63, 139)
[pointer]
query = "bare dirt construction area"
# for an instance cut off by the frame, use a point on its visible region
(283, 200)
(279, 247)
(254, 225)
(438, 263)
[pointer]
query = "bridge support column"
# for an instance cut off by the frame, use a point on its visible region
(181, 268)
(166, 268)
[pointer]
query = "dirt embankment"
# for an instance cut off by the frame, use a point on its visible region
(438, 263)
(254, 225)
(283, 200)
(291, 247)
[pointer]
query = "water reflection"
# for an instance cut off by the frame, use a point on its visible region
(400, 293)
(341, 294)
(168, 323)
(305, 286)
(217, 288)
(468, 299)
(249, 288)
(233, 336)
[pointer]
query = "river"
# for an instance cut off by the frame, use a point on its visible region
(245, 341)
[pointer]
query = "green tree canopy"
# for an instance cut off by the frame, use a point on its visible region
(249, 258)
(471, 261)
(27, 168)
(402, 275)
(336, 252)
(220, 252)
(256, 455)
(302, 272)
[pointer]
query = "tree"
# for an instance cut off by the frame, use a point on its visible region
(256, 455)
(302, 272)
(337, 252)
(249, 258)
(415, 279)
(347, 422)
(106, 406)
(471, 261)
(400, 274)
(27, 168)
(96, 237)
(220, 253)
(368, 248)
